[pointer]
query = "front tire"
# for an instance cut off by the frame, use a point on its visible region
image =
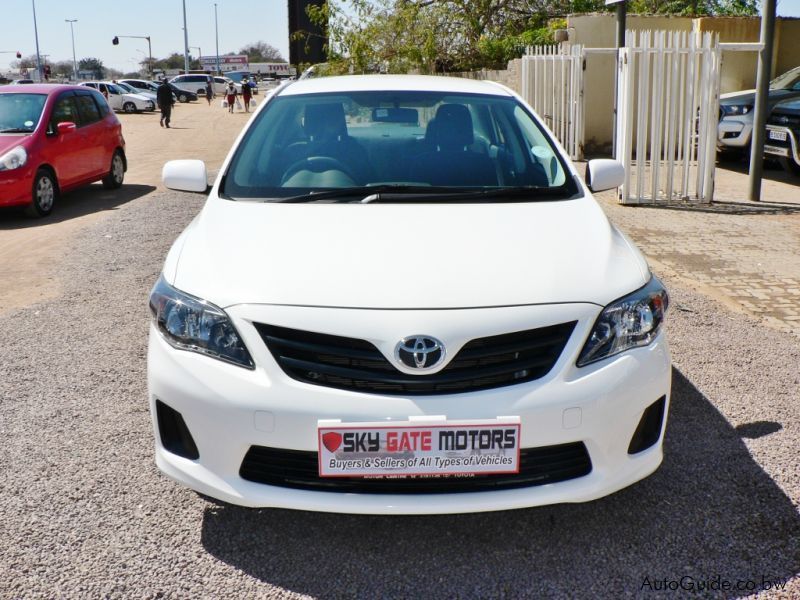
(43, 195)
(116, 175)
(129, 107)
(183, 98)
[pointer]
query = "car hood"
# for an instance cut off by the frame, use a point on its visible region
(11, 140)
(749, 96)
(410, 256)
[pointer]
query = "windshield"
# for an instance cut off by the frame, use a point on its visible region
(114, 88)
(405, 142)
(128, 88)
(20, 113)
(788, 81)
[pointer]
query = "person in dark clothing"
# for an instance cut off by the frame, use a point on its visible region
(209, 92)
(164, 98)
(246, 93)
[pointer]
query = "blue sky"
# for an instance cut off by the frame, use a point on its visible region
(241, 22)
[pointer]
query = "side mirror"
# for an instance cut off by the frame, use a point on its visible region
(604, 174)
(185, 175)
(66, 127)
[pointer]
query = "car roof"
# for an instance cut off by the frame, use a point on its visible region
(39, 88)
(378, 83)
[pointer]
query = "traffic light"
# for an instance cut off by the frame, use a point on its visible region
(115, 41)
(19, 54)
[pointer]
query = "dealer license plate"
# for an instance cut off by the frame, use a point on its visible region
(419, 449)
(777, 135)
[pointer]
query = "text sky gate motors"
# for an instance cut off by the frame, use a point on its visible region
(411, 448)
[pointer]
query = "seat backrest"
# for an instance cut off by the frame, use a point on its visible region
(325, 122)
(452, 128)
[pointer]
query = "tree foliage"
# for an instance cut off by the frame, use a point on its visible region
(457, 35)
(262, 52)
(95, 65)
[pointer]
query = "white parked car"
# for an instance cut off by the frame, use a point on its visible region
(221, 85)
(120, 99)
(400, 297)
(192, 83)
(150, 95)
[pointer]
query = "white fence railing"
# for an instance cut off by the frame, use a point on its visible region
(552, 83)
(668, 105)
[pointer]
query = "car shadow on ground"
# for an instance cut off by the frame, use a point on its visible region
(709, 514)
(77, 203)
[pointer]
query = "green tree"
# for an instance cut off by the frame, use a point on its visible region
(262, 52)
(95, 65)
(458, 35)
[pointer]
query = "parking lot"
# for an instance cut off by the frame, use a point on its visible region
(85, 512)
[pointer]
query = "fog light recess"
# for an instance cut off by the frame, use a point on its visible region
(649, 429)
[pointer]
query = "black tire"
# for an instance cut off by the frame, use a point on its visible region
(116, 174)
(129, 107)
(43, 194)
(183, 98)
(790, 166)
(726, 154)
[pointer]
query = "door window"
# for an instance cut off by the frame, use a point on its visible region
(64, 111)
(88, 109)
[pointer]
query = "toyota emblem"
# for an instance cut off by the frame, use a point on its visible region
(420, 352)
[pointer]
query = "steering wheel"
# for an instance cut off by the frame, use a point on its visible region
(317, 164)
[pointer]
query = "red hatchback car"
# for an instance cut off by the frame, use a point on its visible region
(54, 138)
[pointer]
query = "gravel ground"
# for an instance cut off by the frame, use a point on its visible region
(84, 512)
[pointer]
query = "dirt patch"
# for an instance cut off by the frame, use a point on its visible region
(31, 250)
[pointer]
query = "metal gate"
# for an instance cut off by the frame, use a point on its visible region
(552, 83)
(668, 104)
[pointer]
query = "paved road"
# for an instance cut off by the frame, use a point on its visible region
(85, 513)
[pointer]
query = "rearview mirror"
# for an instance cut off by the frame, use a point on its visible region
(185, 175)
(604, 174)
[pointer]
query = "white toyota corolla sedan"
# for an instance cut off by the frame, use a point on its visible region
(401, 298)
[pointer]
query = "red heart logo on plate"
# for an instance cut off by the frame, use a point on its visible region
(332, 440)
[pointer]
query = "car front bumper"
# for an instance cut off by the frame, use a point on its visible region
(788, 147)
(228, 409)
(16, 186)
(734, 132)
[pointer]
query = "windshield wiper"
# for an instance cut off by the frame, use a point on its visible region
(16, 130)
(368, 190)
(522, 193)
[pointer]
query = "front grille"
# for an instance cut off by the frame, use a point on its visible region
(791, 121)
(353, 364)
(299, 470)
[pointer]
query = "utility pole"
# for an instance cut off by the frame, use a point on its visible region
(185, 41)
(216, 34)
(36, 34)
(762, 96)
(74, 61)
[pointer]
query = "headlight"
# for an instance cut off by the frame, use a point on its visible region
(736, 109)
(189, 323)
(629, 322)
(13, 159)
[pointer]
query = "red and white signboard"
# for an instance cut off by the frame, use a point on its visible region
(231, 62)
(411, 448)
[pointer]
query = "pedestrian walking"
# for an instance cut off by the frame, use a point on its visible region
(247, 91)
(209, 92)
(164, 99)
(231, 96)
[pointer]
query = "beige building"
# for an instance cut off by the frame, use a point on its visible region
(738, 68)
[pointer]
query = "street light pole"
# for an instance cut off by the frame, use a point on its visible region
(74, 61)
(216, 35)
(185, 41)
(36, 34)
